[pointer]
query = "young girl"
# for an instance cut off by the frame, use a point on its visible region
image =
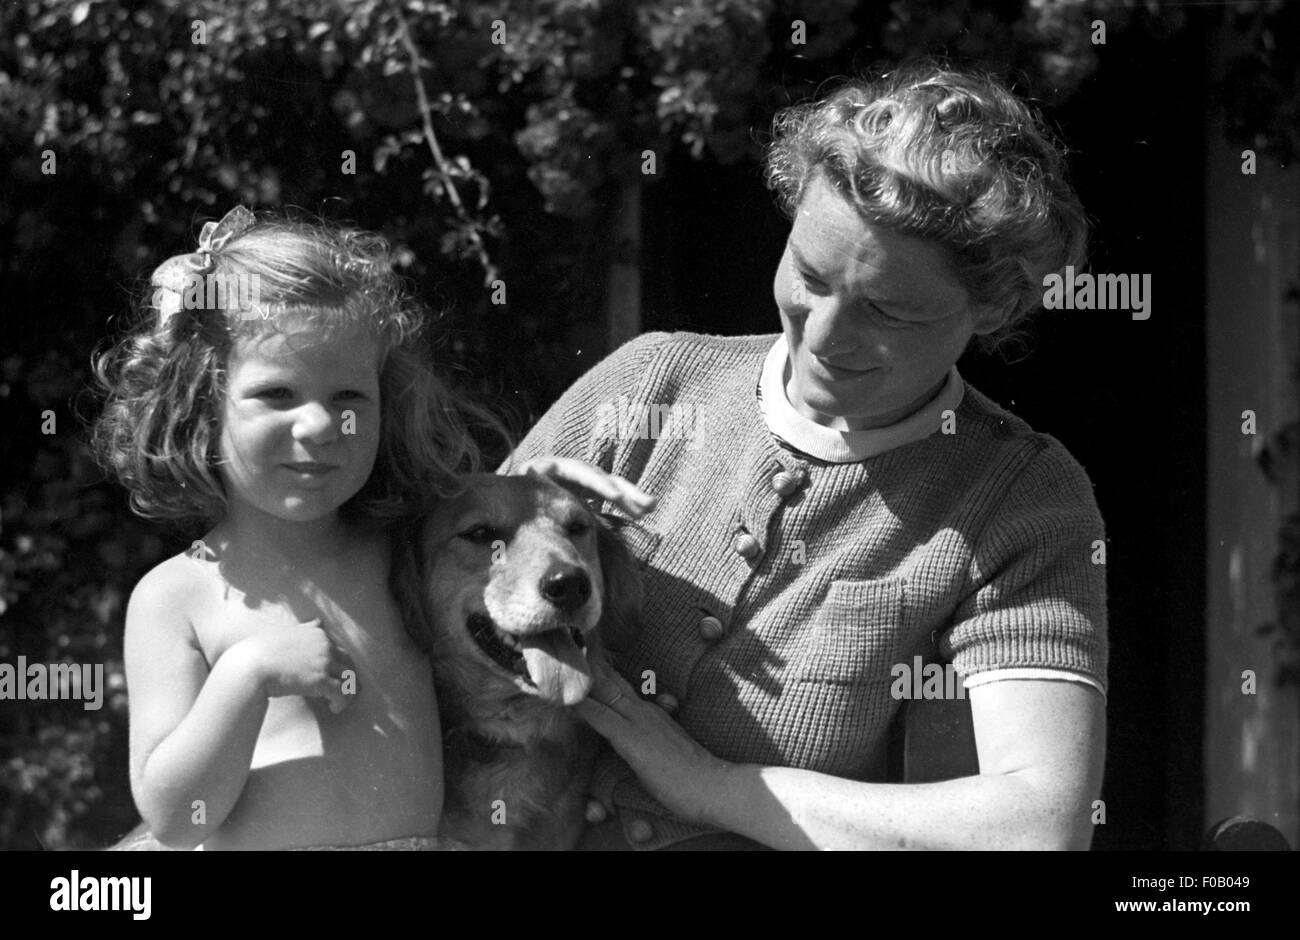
(274, 392)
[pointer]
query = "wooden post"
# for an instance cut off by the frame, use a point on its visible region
(1252, 744)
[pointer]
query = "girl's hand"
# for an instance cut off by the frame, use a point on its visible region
(302, 659)
(587, 481)
(677, 771)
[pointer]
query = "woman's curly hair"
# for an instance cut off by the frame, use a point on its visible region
(949, 156)
(164, 383)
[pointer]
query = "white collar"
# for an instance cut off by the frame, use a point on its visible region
(836, 446)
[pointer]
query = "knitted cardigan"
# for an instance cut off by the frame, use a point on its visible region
(780, 590)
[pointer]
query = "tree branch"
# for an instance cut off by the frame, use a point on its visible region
(441, 166)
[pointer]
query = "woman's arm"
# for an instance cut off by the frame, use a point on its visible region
(1041, 749)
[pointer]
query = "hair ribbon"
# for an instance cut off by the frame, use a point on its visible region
(175, 275)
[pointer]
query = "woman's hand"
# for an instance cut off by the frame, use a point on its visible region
(677, 771)
(589, 481)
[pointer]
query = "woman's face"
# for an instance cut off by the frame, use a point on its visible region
(874, 320)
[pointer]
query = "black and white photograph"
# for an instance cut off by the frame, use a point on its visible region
(696, 425)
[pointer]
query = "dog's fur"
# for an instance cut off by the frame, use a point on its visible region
(525, 561)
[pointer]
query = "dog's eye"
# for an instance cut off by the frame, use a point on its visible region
(480, 534)
(578, 528)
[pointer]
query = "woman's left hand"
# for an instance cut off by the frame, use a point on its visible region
(673, 767)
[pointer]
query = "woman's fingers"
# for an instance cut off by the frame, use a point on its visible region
(588, 481)
(601, 708)
(604, 720)
(609, 689)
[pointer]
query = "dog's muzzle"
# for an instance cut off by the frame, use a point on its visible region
(554, 662)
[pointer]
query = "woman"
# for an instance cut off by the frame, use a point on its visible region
(834, 501)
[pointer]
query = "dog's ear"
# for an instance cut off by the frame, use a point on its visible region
(406, 581)
(620, 621)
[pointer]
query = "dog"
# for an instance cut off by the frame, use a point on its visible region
(514, 588)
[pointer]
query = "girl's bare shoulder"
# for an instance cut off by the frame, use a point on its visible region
(168, 592)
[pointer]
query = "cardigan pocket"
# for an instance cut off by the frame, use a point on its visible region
(853, 633)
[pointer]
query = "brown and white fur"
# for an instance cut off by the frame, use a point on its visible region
(513, 587)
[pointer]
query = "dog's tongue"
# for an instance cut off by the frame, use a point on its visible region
(557, 667)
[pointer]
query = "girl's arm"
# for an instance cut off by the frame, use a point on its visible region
(192, 731)
(1041, 749)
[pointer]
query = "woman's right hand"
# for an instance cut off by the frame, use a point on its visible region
(301, 659)
(589, 481)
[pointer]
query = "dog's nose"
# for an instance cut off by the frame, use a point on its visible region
(567, 590)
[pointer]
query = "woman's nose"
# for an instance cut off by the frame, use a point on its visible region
(314, 422)
(829, 329)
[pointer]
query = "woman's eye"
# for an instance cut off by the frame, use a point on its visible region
(275, 394)
(579, 528)
(480, 534)
(351, 394)
(810, 284)
(867, 308)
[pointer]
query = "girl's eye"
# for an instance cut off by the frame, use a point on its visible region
(275, 394)
(351, 394)
(480, 535)
(578, 528)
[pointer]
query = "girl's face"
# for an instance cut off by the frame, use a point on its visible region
(873, 319)
(300, 429)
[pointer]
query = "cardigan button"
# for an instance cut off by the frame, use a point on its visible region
(711, 628)
(640, 831)
(746, 546)
(785, 483)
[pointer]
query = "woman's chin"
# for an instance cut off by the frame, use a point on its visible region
(830, 414)
(824, 405)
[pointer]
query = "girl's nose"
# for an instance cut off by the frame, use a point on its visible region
(314, 422)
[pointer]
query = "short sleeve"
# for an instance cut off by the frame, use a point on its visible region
(569, 427)
(1039, 577)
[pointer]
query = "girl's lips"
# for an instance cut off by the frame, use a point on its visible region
(312, 468)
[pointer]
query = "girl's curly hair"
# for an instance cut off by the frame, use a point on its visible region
(164, 383)
(949, 156)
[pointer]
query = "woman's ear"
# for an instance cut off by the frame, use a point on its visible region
(620, 621)
(406, 582)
